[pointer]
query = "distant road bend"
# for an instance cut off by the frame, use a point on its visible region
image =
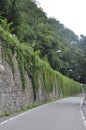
(64, 114)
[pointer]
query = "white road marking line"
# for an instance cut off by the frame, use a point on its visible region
(4, 122)
(12, 118)
(82, 113)
(85, 122)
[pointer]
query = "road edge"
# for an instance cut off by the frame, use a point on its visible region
(82, 112)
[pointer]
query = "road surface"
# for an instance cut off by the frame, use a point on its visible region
(64, 114)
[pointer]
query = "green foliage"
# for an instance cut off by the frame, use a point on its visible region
(4, 7)
(70, 87)
(41, 37)
(6, 26)
(30, 63)
(84, 88)
(20, 59)
(7, 113)
(31, 25)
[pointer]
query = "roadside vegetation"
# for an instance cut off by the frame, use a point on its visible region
(46, 35)
(30, 62)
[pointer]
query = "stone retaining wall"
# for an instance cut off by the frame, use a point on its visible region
(11, 95)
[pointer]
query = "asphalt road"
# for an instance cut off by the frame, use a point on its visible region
(64, 114)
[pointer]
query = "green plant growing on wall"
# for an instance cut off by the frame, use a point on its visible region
(30, 63)
(6, 26)
(20, 59)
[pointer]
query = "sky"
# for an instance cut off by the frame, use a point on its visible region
(71, 13)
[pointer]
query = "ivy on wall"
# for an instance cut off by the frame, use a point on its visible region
(30, 63)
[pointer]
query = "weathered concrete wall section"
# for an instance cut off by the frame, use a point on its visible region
(11, 95)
